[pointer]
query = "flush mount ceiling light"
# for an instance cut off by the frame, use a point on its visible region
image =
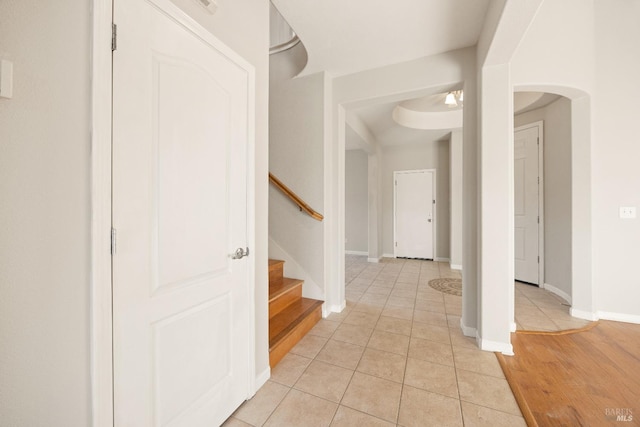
(453, 98)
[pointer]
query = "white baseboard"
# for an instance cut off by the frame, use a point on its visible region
(495, 346)
(327, 310)
(365, 253)
(619, 317)
(374, 260)
(262, 379)
(586, 315)
(562, 294)
(514, 327)
(388, 256)
(455, 267)
(468, 331)
(606, 315)
(438, 259)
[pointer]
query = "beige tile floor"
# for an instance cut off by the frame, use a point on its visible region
(396, 356)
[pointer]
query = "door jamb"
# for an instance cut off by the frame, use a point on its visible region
(435, 204)
(540, 125)
(101, 307)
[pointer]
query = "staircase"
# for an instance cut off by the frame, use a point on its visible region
(290, 315)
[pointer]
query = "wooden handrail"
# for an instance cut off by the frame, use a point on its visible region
(295, 198)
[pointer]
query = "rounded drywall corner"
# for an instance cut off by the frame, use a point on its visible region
(427, 120)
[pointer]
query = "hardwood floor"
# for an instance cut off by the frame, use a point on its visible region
(587, 377)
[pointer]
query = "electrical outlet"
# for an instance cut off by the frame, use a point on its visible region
(627, 212)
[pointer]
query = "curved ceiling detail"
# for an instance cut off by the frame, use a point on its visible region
(286, 46)
(427, 120)
(528, 101)
(428, 113)
(345, 37)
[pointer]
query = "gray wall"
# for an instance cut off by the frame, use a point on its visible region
(455, 197)
(356, 201)
(557, 190)
(45, 215)
(428, 155)
(296, 153)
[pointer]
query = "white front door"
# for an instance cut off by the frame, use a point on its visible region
(414, 214)
(181, 319)
(526, 211)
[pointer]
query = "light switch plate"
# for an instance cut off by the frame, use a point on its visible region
(627, 212)
(6, 79)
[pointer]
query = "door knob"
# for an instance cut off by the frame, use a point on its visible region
(240, 253)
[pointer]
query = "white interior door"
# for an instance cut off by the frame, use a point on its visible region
(414, 214)
(181, 320)
(526, 207)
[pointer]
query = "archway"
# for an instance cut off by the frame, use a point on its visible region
(581, 232)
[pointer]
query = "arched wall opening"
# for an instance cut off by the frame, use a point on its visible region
(581, 291)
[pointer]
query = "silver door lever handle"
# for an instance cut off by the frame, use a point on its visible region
(240, 253)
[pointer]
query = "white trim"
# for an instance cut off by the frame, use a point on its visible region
(586, 315)
(540, 125)
(562, 294)
(100, 287)
(388, 256)
(435, 196)
(455, 267)
(262, 379)
(468, 331)
(327, 310)
(439, 259)
(374, 260)
(495, 346)
(619, 317)
(254, 382)
(361, 253)
(514, 327)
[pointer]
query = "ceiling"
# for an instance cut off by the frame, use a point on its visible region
(348, 36)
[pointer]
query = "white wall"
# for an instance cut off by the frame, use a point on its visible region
(356, 201)
(429, 155)
(616, 151)
(296, 150)
(45, 215)
(586, 51)
(557, 190)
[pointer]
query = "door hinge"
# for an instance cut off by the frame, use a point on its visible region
(113, 241)
(396, 244)
(434, 201)
(538, 219)
(114, 37)
(538, 141)
(538, 259)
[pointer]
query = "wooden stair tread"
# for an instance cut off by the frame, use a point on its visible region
(277, 289)
(274, 262)
(286, 321)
